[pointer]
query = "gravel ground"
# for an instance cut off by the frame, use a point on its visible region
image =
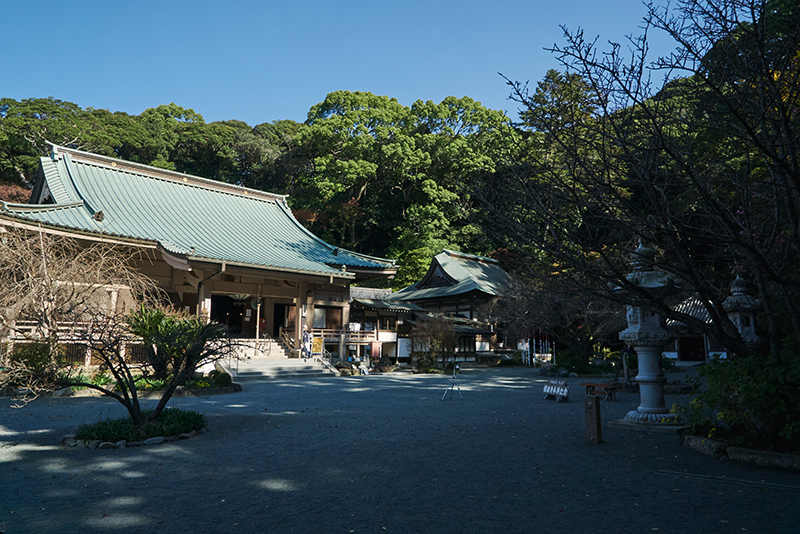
(381, 454)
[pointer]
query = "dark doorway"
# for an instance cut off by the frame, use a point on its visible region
(225, 310)
(691, 349)
(279, 317)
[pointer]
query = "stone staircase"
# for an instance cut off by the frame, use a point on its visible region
(269, 359)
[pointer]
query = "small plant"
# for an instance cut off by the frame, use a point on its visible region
(171, 422)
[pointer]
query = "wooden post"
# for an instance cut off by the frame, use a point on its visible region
(591, 404)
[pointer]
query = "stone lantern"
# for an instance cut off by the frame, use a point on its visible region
(742, 308)
(648, 337)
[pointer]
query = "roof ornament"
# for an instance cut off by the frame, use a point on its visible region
(98, 216)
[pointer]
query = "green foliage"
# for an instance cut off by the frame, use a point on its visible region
(35, 356)
(383, 178)
(171, 422)
(220, 379)
(179, 340)
(100, 378)
(424, 364)
(514, 361)
(748, 402)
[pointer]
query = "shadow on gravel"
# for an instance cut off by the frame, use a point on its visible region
(377, 454)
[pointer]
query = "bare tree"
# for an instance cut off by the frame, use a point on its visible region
(51, 284)
(695, 154)
(55, 290)
(576, 318)
(433, 337)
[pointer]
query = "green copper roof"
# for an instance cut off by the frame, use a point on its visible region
(456, 273)
(188, 216)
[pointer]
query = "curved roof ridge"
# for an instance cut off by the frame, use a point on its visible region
(467, 256)
(159, 173)
(15, 206)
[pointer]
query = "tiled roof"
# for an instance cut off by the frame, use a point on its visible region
(188, 216)
(387, 305)
(455, 273)
(693, 307)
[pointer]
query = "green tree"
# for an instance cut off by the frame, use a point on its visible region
(383, 178)
(27, 126)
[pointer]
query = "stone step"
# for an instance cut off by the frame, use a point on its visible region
(273, 367)
(281, 373)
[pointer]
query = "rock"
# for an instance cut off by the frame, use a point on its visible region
(236, 387)
(121, 444)
(154, 441)
(562, 372)
(764, 458)
(9, 391)
(63, 392)
(705, 445)
(134, 444)
(573, 375)
(185, 435)
(94, 444)
(107, 445)
(171, 438)
(70, 442)
(193, 433)
(67, 437)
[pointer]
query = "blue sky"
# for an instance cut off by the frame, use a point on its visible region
(260, 61)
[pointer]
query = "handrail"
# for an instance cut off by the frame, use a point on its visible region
(287, 339)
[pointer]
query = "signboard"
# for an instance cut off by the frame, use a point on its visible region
(316, 345)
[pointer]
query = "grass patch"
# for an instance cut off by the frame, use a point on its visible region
(171, 422)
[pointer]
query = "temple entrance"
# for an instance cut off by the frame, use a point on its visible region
(691, 349)
(278, 320)
(226, 310)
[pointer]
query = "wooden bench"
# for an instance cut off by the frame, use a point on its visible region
(558, 389)
(608, 389)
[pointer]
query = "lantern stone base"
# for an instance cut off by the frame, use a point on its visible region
(642, 418)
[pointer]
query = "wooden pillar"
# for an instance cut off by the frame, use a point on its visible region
(204, 301)
(299, 310)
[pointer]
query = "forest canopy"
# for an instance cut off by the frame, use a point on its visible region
(701, 165)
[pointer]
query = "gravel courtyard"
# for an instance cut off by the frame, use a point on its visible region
(381, 454)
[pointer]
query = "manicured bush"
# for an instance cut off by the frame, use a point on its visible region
(171, 422)
(220, 379)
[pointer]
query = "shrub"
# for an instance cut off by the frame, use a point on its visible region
(514, 361)
(424, 364)
(171, 422)
(747, 402)
(36, 356)
(220, 379)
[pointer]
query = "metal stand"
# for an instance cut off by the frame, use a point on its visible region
(453, 382)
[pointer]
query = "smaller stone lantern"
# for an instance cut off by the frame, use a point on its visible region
(742, 307)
